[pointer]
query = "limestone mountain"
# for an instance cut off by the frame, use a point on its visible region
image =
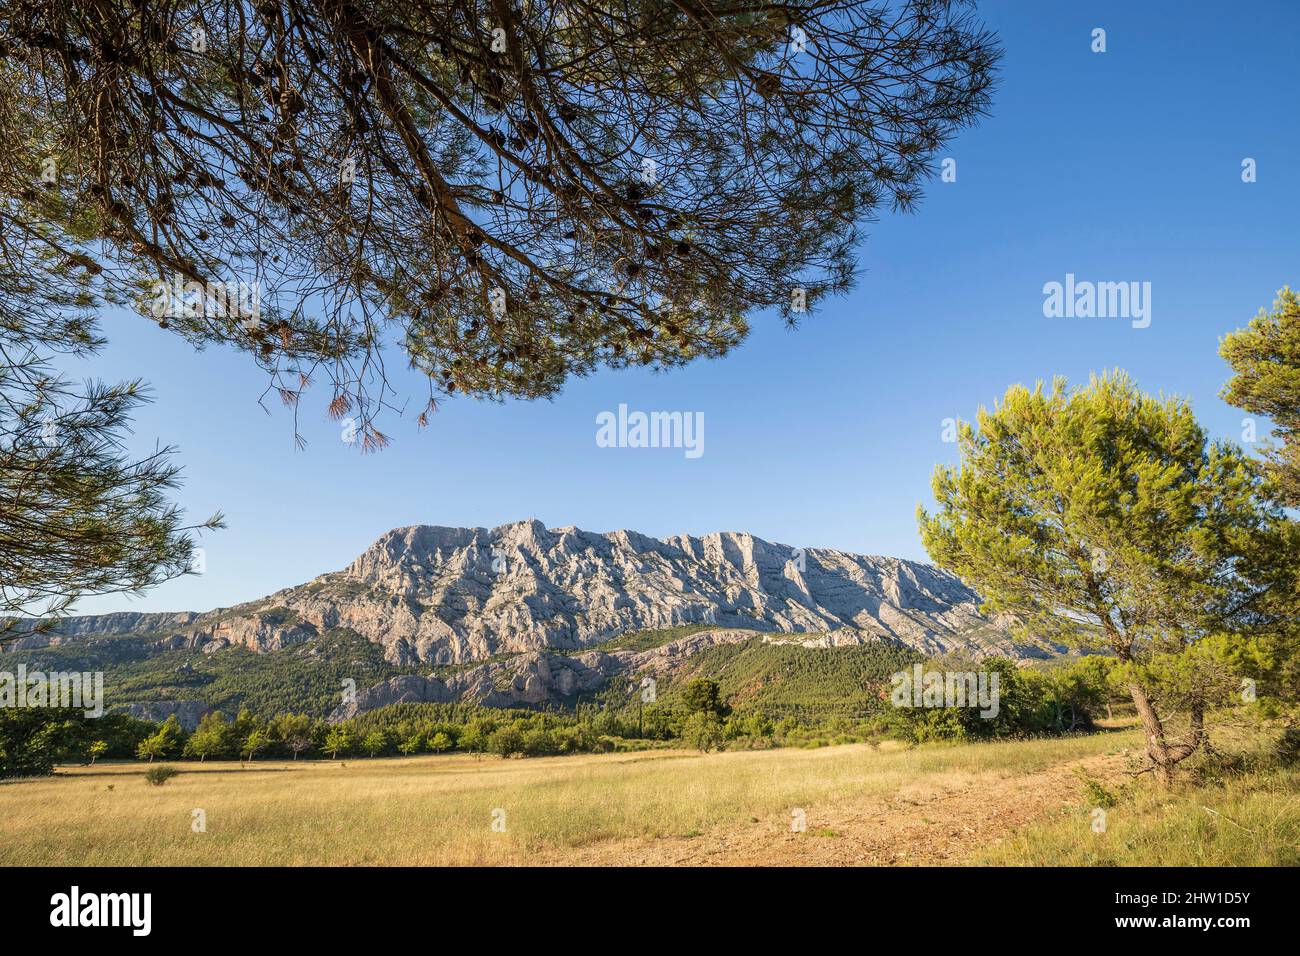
(429, 595)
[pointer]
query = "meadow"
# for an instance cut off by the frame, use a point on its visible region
(442, 809)
(1015, 802)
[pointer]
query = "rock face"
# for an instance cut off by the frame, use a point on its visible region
(187, 712)
(536, 677)
(91, 626)
(434, 595)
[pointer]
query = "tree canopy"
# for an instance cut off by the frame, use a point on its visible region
(514, 192)
(1106, 518)
(79, 514)
(1265, 360)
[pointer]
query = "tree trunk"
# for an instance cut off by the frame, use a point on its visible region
(1163, 756)
(1157, 750)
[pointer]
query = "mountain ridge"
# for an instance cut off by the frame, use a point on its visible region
(436, 595)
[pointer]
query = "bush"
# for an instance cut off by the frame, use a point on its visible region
(1287, 750)
(540, 743)
(1095, 794)
(160, 774)
(506, 742)
(703, 731)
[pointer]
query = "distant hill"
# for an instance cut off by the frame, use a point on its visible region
(478, 611)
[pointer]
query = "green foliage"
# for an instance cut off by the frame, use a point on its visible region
(1097, 794)
(30, 739)
(697, 250)
(375, 742)
(157, 776)
(78, 515)
(807, 683)
(1103, 502)
(338, 740)
(294, 731)
(212, 738)
(703, 730)
(702, 695)
(506, 741)
(1265, 361)
(166, 742)
(254, 743)
(1104, 517)
(303, 678)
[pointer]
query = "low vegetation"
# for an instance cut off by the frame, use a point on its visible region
(760, 697)
(1236, 806)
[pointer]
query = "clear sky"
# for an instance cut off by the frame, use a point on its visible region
(1115, 166)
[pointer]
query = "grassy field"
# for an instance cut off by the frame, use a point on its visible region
(438, 810)
(1250, 821)
(1016, 802)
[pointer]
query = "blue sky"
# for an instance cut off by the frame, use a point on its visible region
(1115, 166)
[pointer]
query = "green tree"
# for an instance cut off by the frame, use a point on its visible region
(1104, 517)
(338, 740)
(254, 743)
(295, 731)
(704, 695)
(506, 741)
(413, 744)
(212, 738)
(440, 742)
(375, 741)
(78, 515)
(1265, 360)
(164, 743)
(151, 747)
(703, 731)
(97, 749)
(30, 738)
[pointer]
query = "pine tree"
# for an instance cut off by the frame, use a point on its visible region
(516, 193)
(1265, 360)
(1104, 517)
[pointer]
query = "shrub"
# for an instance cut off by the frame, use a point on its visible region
(160, 774)
(1095, 794)
(703, 731)
(540, 743)
(1287, 750)
(506, 742)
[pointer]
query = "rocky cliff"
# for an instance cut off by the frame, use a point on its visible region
(435, 595)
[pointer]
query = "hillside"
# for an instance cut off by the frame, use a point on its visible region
(520, 615)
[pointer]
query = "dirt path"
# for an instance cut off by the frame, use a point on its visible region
(926, 823)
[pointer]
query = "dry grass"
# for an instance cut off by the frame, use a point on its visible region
(1250, 821)
(439, 810)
